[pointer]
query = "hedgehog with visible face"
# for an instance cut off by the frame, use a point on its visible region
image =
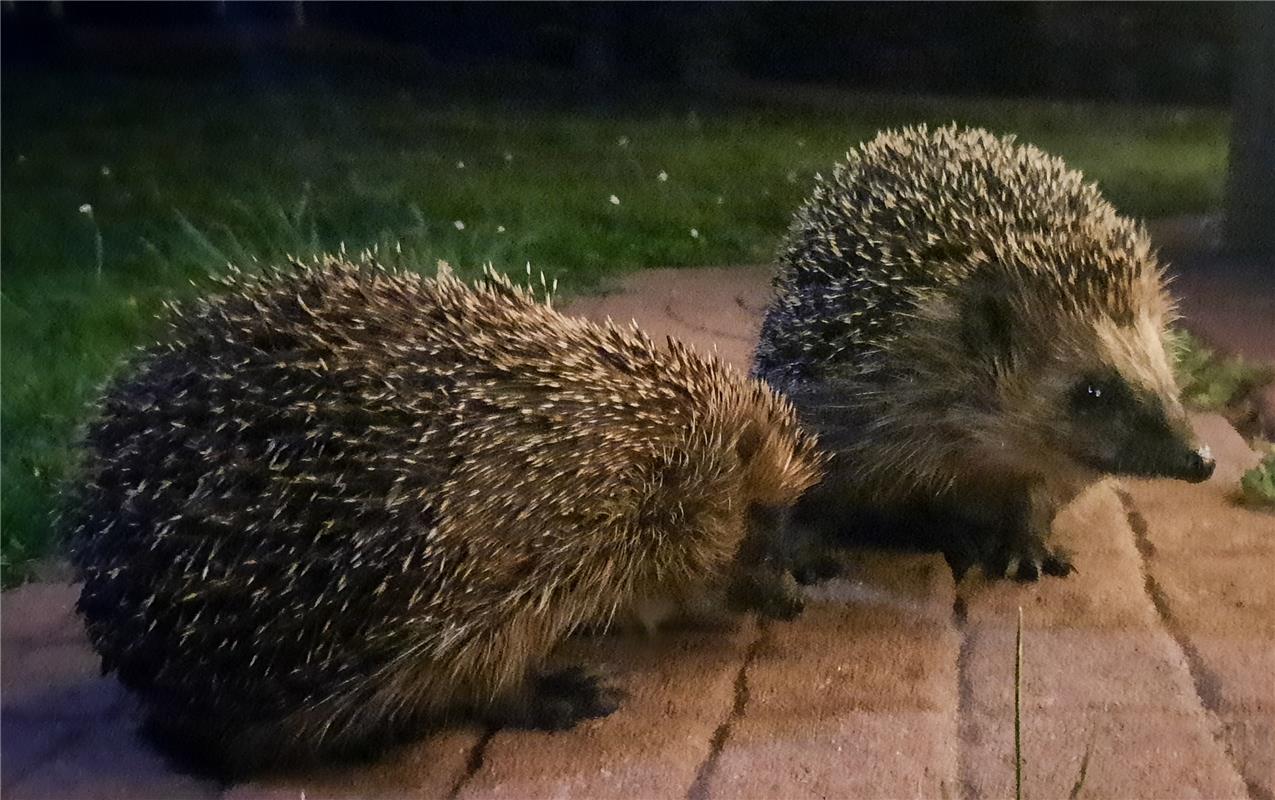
(341, 503)
(976, 335)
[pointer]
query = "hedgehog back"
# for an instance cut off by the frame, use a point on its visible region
(335, 467)
(900, 220)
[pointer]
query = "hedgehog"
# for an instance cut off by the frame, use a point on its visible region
(976, 335)
(341, 502)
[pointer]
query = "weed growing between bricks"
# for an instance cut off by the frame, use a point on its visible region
(1257, 486)
(1228, 384)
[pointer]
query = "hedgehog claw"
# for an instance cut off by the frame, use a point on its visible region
(1032, 567)
(1057, 564)
(1011, 567)
(817, 569)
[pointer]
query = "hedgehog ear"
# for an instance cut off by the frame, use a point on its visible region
(987, 322)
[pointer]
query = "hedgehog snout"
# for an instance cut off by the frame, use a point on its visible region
(1199, 465)
(1193, 465)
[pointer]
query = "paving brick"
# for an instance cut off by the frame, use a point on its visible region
(44, 611)
(857, 697)
(1223, 607)
(29, 742)
(1106, 591)
(1097, 657)
(680, 687)
(1230, 452)
(918, 584)
(428, 768)
(1211, 562)
(1249, 738)
(1238, 671)
(713, 310)
(881, 638)
(859, 754)
(836, 659)
(1220, 594)
(1153, 755)
(1074, 668)
(109, 762)
(1225, 300)
(1200, 519)
(59, 679)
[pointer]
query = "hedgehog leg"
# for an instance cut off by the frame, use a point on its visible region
(779, 537)
(803, 540)
(770, 591)
(760, 578)
(1024, 556)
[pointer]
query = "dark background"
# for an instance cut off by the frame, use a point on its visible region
(1149, 52)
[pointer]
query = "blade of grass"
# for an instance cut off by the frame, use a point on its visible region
(1018, 708)
(197, 236)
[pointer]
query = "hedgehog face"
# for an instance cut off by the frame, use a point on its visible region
(1121, 429)
(1073, 337)
(1123, 411)
(1113, 407)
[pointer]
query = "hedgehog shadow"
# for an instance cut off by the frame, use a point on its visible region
(920, 531)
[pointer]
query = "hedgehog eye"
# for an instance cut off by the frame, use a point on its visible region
(1093, 393)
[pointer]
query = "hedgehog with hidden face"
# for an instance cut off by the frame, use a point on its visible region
(340, 503)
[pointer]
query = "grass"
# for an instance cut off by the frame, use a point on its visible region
(1018, 707)
(177, 178)
(1212, 381)
(1257, 485)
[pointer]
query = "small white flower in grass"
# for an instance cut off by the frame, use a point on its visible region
(460, 165)
(106, 171)
(508, 156)
(791, 176)
(87, 208)
(662, 177)
(460, 226)
(22, 159)
(801, 142)
(500, 229)
(720, 200)
(623, 141)
(615, 201)
(694, 233)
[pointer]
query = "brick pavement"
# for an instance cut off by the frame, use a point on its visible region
(1156, 656)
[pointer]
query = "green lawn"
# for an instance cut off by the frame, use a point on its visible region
(184, 176)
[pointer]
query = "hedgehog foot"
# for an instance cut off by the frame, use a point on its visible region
(559, 700)
(769, 591)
